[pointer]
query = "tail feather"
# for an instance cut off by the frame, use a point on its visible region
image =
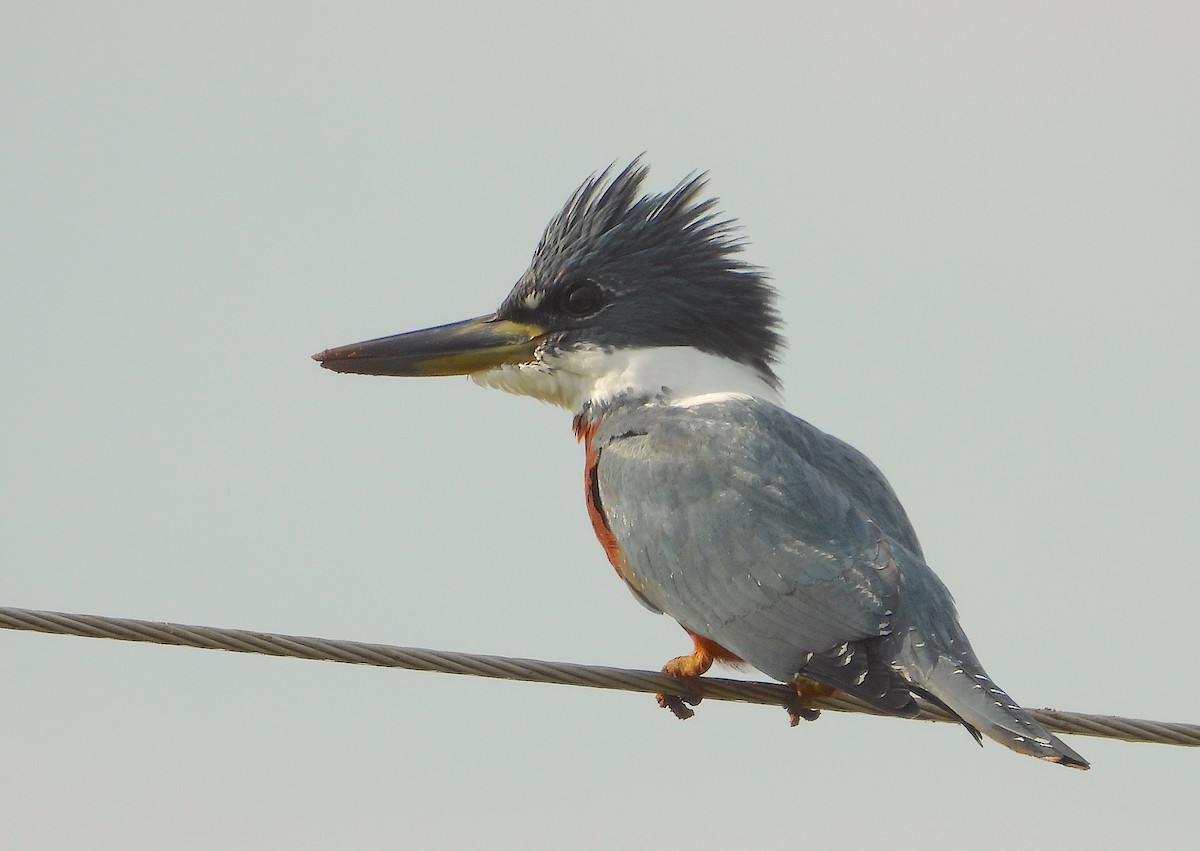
(966, 690)
(929, 649)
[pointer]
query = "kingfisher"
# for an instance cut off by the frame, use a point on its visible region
(772, 543)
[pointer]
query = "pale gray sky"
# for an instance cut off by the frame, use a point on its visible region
(983, 223)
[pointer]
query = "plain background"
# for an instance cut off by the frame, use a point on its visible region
(983, 223)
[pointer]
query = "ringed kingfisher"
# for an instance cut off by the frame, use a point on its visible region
(770, 542)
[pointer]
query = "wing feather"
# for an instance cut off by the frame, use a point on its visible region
(752, 528)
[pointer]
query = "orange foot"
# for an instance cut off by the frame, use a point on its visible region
(807, 691)
(686, 668)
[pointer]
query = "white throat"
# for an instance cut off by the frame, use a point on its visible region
(679, 375)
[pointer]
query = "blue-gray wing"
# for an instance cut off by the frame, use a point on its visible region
(755, 530)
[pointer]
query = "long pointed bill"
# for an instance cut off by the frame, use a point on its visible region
(459, 348)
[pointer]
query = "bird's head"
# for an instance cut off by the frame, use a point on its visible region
(627, 294)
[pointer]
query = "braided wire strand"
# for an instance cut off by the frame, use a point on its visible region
(538, 671)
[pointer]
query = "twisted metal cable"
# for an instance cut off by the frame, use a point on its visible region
(537, 671)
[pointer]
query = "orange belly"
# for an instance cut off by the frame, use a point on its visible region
(591, 488)
(712, 650)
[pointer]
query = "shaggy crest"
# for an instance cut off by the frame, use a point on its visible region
(666, 261)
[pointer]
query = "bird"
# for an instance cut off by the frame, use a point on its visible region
(773, 544)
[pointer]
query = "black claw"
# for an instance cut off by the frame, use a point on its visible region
(675, 703)
(798, 713)
(679, 704)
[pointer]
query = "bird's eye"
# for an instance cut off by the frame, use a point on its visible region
(584, 298)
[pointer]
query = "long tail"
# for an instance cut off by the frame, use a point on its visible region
(929, 649)
(966, 690)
